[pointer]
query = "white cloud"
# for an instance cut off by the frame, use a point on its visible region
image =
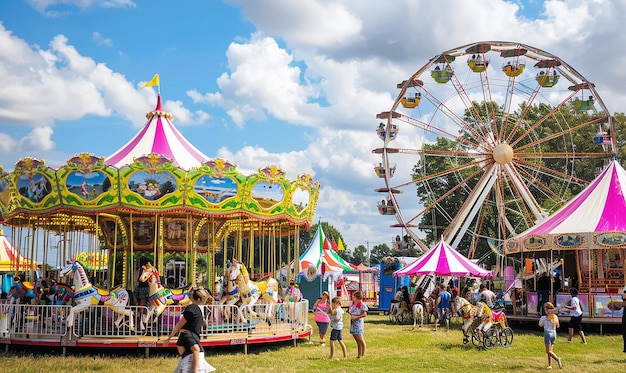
(101, 40)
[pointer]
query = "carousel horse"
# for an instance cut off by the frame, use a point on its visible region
(491, 317)
(418, 314)
(250, 292)
(469, 313)
(86, 295)
(160, 297)
(23, 290)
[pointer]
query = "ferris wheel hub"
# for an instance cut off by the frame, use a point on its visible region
(503, 153)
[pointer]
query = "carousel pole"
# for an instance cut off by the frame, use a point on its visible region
(189, 246)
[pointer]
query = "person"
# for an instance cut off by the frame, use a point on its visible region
(419, 297)
(396, 302)
(358, 310)
(543, 291)
(190, 326)
(336, 324)
(576, 317)
(443, 307)
(487, 295)
(406, 301)
(550, 323)
(320, 315)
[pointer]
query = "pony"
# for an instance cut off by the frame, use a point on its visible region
(86, 295)
(252, 291)
(160, 297)
(469, 313)
(418, 314)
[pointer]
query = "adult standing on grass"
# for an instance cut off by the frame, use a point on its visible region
(443, 307)
(321, 309)
(576, 317)
(550, 323)
(358, 310)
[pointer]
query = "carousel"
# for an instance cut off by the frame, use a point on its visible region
(115, 244)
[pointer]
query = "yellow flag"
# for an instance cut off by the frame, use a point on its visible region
(340, 246)
(153, 82)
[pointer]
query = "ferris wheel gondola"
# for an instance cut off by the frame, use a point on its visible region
(501, 145)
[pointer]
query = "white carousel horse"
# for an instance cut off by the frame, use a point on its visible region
(160, 297)
(252, 291)
(469, 313)
(86, 295)
(418, 314)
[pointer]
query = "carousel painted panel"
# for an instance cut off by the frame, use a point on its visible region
(152, 182)
(265, 192)
(88, 183)
(302, 195)
(176, 231)
(569, 241)
(112, 233)
(610, 240)
(36, 185)
(604, 305)
(215, 186)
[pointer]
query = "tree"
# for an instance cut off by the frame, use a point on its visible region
(359, 255)
(379, 252)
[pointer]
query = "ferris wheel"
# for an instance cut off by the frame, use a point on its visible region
(486, 140)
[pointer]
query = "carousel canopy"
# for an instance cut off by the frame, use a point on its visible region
(319, 258)
(442, 260)
(159, 136)
(10, 259)
(598, 208)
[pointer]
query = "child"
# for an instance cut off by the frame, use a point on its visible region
(336, 323)
(358, 310)
(550, 322)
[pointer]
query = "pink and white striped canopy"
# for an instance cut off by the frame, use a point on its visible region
(600, 207)
(159, 136)
(443, 260)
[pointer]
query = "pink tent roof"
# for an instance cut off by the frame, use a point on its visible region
(600, 207)
(159, 136)
(443, 260)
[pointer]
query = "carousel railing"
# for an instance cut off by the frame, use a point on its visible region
(49, 321)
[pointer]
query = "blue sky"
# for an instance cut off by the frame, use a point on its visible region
(295, 84)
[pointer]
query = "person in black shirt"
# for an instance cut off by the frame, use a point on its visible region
(190, 327)
(543, 292)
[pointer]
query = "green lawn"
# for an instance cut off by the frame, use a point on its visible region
(390, 348)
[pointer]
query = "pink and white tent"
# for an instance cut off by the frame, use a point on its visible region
(159, 136)
(443, 260)
(599, 208)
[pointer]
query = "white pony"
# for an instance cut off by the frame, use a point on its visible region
(418, 314)
(86, 295)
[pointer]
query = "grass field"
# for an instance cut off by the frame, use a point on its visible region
(390, 348)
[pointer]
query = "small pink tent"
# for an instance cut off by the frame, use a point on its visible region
(443, 260)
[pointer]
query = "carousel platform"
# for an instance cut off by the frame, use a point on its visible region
(46, 326)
